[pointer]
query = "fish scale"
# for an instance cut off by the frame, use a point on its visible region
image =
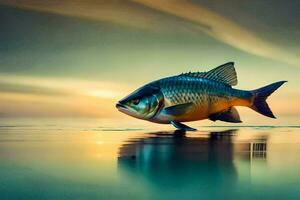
(180, 89)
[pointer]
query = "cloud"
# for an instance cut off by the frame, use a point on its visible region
(122, 12)
(222, 29)
(164, 15)
(101, 89)
(40, 96)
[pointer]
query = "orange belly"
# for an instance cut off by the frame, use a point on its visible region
(204, 110)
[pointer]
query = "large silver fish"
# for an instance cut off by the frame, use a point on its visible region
(195, 96)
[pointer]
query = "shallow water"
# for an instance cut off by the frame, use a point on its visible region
(50, 160)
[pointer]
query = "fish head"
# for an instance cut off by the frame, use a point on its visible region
(143, 103)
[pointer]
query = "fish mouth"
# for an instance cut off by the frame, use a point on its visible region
(120, 106)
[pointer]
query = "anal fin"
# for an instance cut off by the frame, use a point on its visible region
(182, 127)
(230, 115)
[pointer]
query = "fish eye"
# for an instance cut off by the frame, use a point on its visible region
(136, 101)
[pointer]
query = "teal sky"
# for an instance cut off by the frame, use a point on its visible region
(133, 42)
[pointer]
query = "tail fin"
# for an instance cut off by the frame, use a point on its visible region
(260, 95)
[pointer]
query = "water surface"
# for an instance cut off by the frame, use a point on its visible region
(48, 160)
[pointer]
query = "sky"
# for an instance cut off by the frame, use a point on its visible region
(77, 58)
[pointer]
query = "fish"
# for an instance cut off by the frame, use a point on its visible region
(196, 96)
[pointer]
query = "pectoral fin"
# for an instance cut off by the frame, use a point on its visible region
(178, 110)
(230, 115)
(182, 127)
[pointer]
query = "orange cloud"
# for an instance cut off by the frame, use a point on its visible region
(67, 97)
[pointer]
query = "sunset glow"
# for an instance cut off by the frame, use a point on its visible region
(86, 59)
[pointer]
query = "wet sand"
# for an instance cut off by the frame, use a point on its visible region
(92, 162)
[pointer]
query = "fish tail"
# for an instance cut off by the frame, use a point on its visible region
(260, 96)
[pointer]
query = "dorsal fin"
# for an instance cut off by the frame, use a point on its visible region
(224, 73)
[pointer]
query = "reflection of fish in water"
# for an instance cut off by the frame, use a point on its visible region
(166, 157)
(179, 142)
(168, 160)
(196, 96)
